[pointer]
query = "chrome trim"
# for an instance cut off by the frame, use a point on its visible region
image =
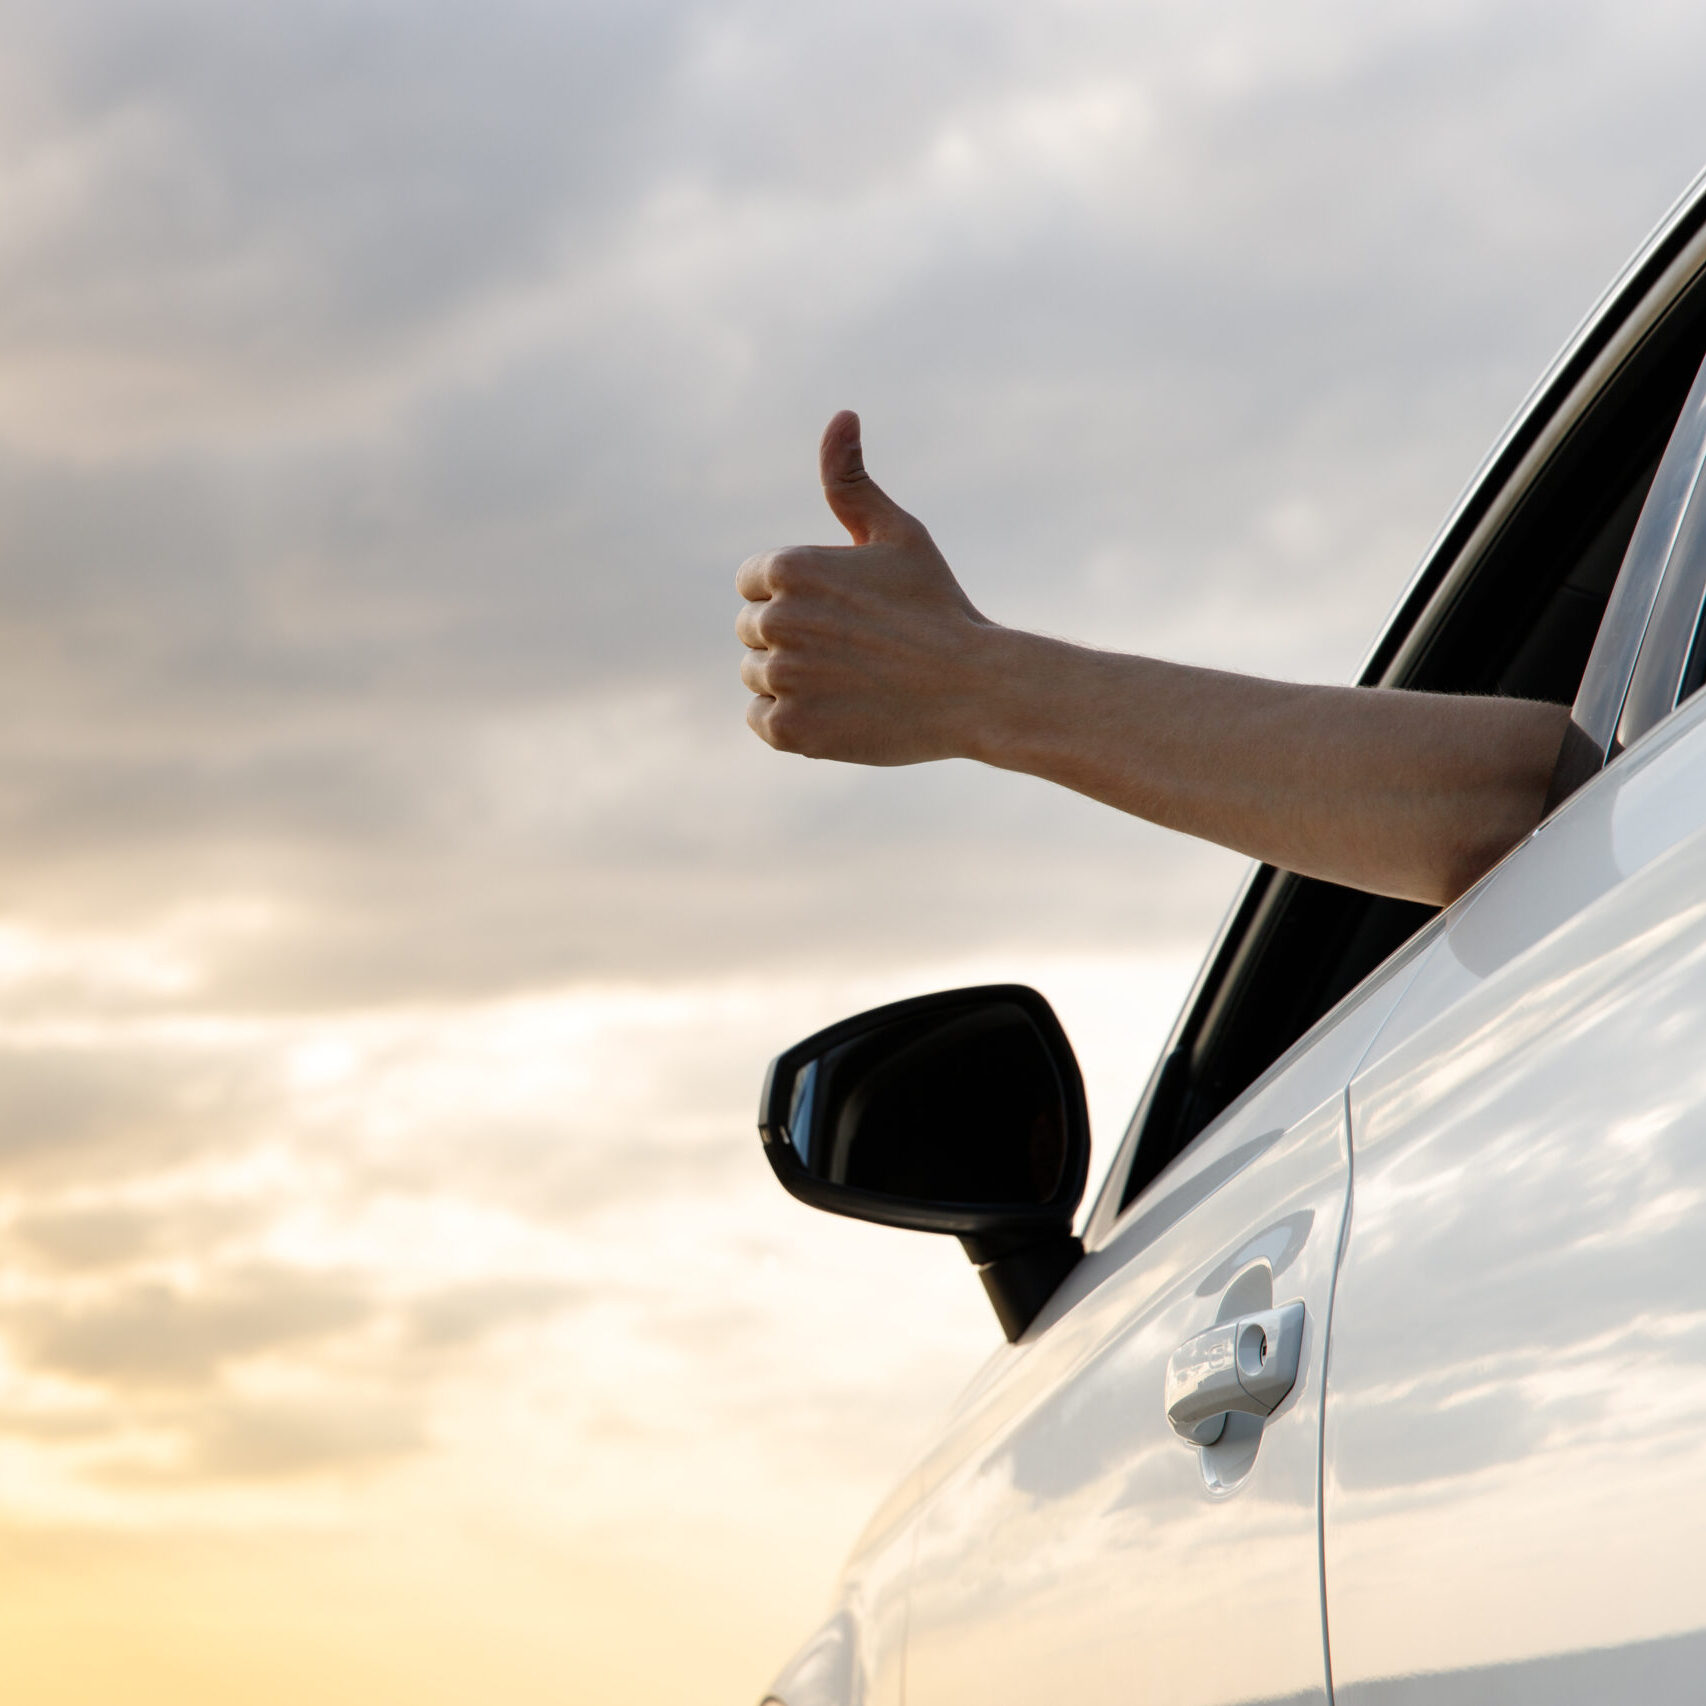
(1667, 639)
(1628, 619)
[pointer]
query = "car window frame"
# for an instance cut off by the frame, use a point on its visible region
(1647, 649)
(1665, 270)
(1666, 662)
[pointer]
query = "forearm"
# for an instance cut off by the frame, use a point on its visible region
(1402, 793)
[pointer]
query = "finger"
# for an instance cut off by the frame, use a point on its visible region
(748, 626)
(755, 673)
(856, 500)
(752, 578)
(758, 717)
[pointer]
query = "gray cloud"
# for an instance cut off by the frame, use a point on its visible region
(94, 1238)
(225, 1439)
(271, 1441)
(459, 1318)
(152, 1334)
(156, 1360)
(134, 1107)
(287, 185)
(1179, 336)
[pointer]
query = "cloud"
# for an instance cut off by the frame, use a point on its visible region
(397, 586)
(152, 1335)
(204, 189)
(246, 1375)
(274, 1440)
(461, 1317)
(139, 1107)
(94, 1238)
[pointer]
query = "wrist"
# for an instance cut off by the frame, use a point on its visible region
(1005, 692)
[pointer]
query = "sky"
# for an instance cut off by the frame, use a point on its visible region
(396, 915)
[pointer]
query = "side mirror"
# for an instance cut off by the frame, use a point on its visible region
(961, 1112)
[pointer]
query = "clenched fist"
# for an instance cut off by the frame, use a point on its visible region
(868, 652)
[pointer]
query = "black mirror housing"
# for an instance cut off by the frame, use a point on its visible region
(961, 1112)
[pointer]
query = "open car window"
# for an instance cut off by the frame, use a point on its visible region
(1511, 600)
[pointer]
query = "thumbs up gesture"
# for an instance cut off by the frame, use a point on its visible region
(871, 653)
(867, 652)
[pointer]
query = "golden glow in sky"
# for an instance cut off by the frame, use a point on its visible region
(428, 1347)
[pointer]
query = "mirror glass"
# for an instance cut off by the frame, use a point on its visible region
(953, 1106)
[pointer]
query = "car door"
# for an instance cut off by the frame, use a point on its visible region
(1515, 1439)
(1073, 1545)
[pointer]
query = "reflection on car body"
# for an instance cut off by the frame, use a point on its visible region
(1462, 1157)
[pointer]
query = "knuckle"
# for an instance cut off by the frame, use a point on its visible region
(791, 571)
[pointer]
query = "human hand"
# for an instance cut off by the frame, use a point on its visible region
(868, 652)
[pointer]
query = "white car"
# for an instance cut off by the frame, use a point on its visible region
(1377, 1371)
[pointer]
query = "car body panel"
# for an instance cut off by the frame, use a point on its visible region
(1515, 1438)
(856, 1657)
(825, 1671)
(1087, 1552)
(1653, 798)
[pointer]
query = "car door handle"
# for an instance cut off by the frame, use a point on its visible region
(1248, 1364)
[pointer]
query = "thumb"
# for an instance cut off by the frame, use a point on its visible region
(855, 499)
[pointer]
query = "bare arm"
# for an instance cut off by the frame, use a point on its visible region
(872, 653)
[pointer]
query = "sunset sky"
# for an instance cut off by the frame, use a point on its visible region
(395, 914)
